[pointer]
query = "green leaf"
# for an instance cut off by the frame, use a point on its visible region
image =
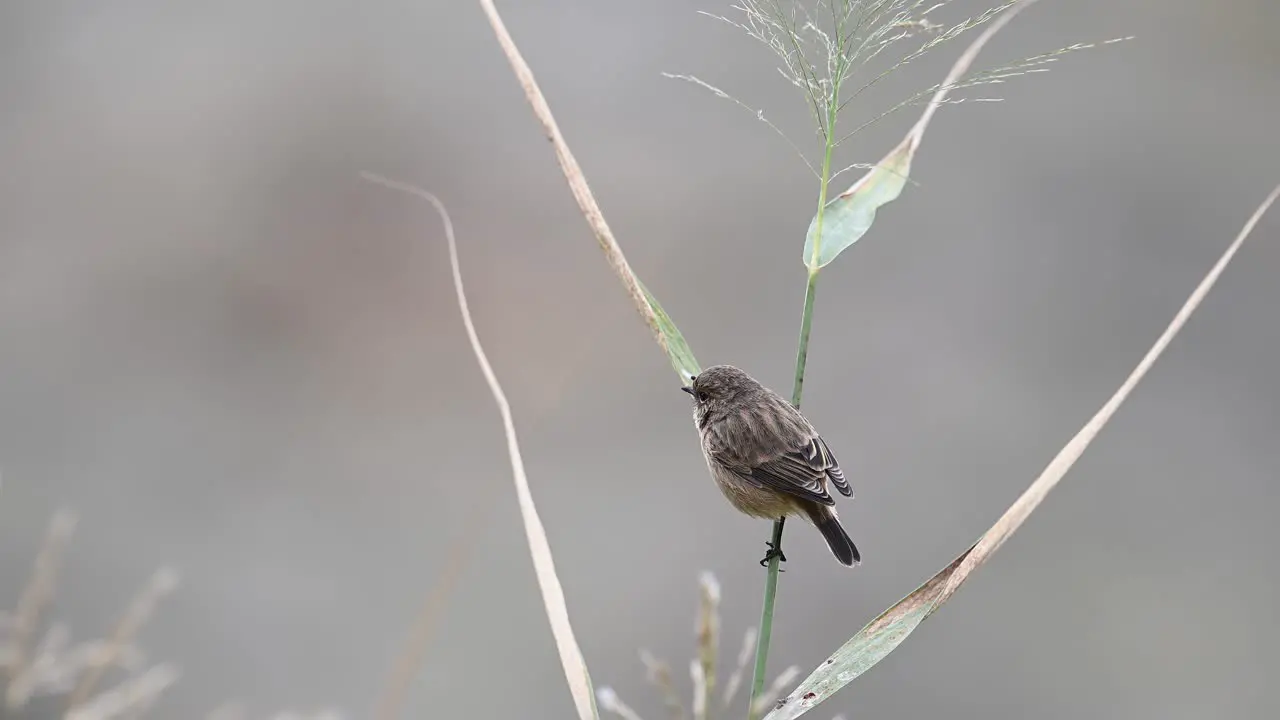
(672, 341)
(864, 650)
(849, 216)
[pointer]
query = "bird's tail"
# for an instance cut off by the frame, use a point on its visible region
(837, 539)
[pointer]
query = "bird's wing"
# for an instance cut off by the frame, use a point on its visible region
(833, 468)
(801, 473)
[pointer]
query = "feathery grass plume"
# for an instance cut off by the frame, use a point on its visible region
(850, 214)
(824, 44)
(571, 659)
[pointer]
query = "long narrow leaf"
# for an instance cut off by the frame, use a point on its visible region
(882, 635)
(664, 330)
(575, 667)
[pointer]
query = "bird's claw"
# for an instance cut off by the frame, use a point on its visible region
(775, 551)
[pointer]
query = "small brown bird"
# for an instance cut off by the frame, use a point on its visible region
(766, 457)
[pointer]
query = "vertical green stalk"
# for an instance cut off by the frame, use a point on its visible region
(806, 321)
(766, 624)
(802, 357)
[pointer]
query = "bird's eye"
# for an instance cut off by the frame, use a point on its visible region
(702, 397)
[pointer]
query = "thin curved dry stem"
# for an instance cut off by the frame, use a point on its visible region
(391, 702)
(571, 659)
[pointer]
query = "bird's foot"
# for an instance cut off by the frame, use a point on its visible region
(775, 551)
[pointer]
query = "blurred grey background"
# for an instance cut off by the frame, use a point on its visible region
(231, 355)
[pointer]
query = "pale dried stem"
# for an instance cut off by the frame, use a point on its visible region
(391, 703)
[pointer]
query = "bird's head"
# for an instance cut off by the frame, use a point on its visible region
(719, 385)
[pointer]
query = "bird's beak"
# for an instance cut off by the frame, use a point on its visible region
(687, 389)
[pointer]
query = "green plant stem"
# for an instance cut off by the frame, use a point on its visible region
(766, 623)
(802, 358)
(806, 322)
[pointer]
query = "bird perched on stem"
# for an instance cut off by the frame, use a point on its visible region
(766, 457)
